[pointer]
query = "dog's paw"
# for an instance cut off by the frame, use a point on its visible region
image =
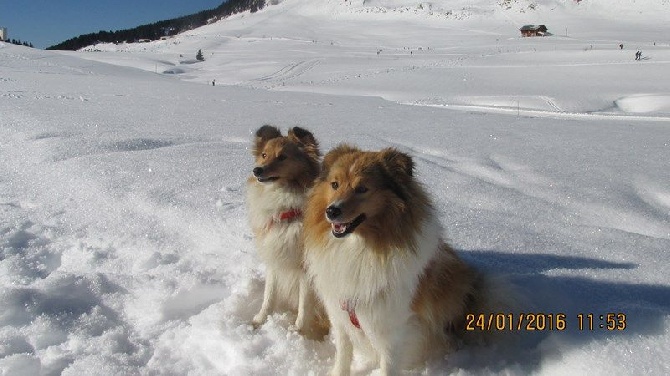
(298, 326)
(259, 320)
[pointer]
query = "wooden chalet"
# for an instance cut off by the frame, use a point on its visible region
(533, 31)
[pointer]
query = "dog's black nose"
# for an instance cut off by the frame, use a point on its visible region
(333, 212)
(258, 171)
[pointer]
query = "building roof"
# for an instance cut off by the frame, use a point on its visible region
(533, 28)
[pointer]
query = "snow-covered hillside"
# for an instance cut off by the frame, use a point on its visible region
(124, 247)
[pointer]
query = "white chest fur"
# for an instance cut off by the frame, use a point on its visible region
(279, 242)
(368, 297)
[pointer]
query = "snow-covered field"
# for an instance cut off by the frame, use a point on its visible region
(124, 247)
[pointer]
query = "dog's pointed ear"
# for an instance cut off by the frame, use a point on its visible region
(333, 155)
(263, 135)
(302, 136)
(397, 162)
(400, 168)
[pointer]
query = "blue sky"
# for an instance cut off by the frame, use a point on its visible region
(45, 23)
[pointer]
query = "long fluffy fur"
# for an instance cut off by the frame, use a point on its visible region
(393, 273)
(285, 168)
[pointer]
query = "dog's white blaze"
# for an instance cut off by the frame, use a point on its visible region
(336, 203)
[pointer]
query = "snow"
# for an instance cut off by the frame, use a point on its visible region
(124, 246)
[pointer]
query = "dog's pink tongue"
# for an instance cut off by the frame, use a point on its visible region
(339, 227)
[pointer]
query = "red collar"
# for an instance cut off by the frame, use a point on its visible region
(354, 319)
(287, 216)
(290, 214)
(348, 306)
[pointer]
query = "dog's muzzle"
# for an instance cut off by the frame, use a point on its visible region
(332, 212)
(338, 228)
(258, 173)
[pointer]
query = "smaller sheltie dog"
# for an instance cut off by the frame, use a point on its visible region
(390, 285)
(285, 168)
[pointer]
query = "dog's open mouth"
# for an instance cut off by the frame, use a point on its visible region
(344, 229)
(268, 179)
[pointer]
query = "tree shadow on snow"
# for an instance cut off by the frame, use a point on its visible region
(645, 306)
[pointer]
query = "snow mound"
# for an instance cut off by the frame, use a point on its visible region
(644, 103)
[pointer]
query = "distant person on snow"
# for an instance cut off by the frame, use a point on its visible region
(638, 55)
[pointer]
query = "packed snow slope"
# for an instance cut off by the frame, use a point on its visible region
(124, 246)
(442, 53)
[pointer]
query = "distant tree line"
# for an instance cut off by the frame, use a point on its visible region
(19, 43)
(164, 28)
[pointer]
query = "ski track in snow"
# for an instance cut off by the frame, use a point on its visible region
(291, 71)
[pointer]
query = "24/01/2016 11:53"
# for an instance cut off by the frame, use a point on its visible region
(543, 321)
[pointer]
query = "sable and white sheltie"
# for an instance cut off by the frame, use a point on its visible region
(390, 285)
(285, 168)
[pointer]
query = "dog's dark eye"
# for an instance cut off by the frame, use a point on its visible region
(264, 155)
(335, 185)
(281, 157)
(361, 189)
